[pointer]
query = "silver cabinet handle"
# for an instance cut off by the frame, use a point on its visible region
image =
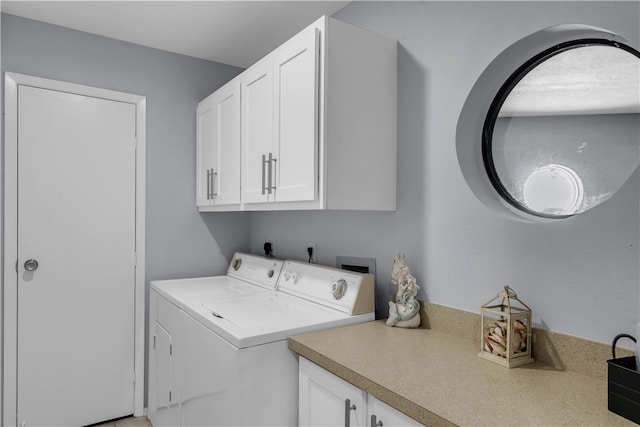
(269, 173)
(31, 265)
(272, 160)
(264, 188)
(214, 176)
(208, 184)
(374, 422)
(348, 407)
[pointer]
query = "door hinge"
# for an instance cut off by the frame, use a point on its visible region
(135, 259)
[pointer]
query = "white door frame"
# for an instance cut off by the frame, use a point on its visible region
(9, 303)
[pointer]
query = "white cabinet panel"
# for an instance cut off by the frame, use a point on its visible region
(296, 116)
(218, 147)
(164, 354)
(382, 415)
(162, 372)
(326, 400)
(205, 148)
(257, 131)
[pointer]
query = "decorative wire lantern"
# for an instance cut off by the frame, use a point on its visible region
(506, 330)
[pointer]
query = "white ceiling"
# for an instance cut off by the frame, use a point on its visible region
(231, 32)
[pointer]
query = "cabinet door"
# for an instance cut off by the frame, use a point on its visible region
(257, 132)
(226, 141)
(164, 368)
(163, 351)
(219, 147)
(382, 415)
(326, 400)
(163, 399)
(205, 151)
(296, 70)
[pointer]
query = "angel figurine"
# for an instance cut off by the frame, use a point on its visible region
(405, 312)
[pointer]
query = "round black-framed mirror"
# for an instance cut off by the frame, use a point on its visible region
(551, 156)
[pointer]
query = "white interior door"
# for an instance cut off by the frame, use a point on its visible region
(76, 218)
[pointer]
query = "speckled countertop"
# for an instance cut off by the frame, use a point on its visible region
(438, 379)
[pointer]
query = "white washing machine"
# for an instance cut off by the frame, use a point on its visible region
(218, 349)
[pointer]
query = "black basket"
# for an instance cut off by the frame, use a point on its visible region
(623, 391)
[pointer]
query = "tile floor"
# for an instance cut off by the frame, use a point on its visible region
(126, 422)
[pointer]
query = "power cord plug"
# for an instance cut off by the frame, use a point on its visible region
(268, 249)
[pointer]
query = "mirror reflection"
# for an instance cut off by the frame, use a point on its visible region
(567, 135)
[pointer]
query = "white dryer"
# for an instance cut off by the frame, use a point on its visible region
(219, 353)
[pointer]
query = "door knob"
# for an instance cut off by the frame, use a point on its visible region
(31, 265)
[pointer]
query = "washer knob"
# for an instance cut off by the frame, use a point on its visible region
(339, 289)
(236, 263)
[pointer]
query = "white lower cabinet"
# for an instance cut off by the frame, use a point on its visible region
(326, 400)
(382, 415)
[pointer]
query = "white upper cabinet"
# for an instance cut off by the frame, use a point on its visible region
(318, 123)
(279, 124)
(257, 132)
(296, 118)
(218, 149)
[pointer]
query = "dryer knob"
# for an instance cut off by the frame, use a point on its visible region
(236, 263)
(339, 289)
(270, 273)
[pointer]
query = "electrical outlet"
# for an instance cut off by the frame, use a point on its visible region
(271, 242)
(314, 254)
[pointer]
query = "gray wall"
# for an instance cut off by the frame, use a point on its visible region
(580, 275)
(180, 242)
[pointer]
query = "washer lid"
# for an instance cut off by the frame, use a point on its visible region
(184, 291)
(267, 317)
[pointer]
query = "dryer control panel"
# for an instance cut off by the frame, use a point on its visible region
(346, 291)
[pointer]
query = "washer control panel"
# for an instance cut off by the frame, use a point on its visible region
(343, 290)
(255, 269)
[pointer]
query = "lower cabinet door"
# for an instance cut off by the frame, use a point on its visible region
(326, 400)
(163, 390)
(382, 415)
